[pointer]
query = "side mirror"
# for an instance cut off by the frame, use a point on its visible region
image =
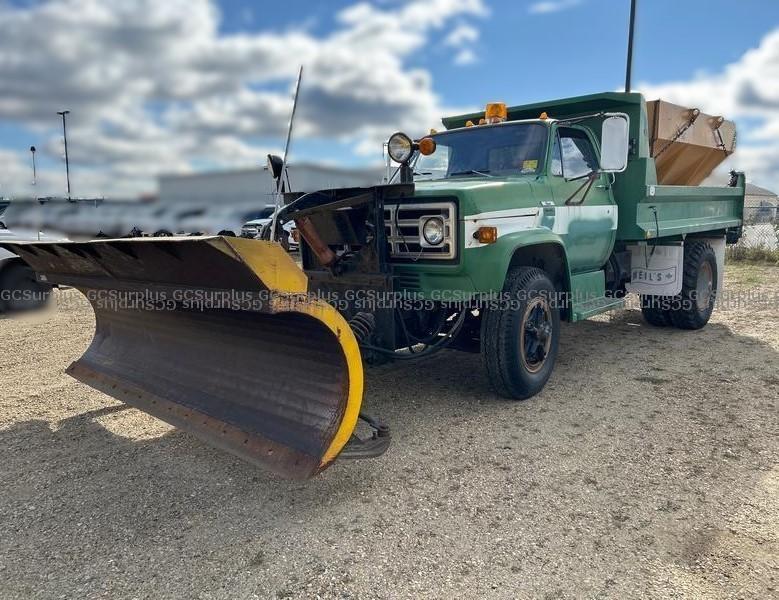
(275, 164)
(615, 143)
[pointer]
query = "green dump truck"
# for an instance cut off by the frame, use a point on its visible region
(489, 234)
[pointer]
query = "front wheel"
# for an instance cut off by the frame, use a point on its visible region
(520, 339)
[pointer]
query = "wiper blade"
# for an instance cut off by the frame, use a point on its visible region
(471, 172)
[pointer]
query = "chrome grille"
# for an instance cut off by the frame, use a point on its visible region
(403, 224)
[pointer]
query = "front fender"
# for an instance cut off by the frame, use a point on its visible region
(488, 265)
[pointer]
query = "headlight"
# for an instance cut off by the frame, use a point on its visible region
(433, 231)
(400, 147)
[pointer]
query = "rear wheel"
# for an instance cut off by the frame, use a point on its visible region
(694, 305)
(520, 341)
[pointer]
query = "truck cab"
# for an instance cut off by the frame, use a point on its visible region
(507, 185)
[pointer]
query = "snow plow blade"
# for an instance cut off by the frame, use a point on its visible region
(216, 336)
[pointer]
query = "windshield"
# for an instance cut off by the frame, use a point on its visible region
(491, 150)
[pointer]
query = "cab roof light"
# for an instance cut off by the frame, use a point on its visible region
(496, 112)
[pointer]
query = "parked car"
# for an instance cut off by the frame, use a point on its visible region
(228, 219)
(254, 227)
(20, 289)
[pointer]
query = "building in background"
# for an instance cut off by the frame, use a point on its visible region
(760, 204)
(197, 202)
(247, 186)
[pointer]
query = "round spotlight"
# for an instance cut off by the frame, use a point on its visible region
(433, 231)
(400, 147)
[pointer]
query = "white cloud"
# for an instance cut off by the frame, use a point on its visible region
(462, 34)
(746, 91)
(465, 56)
(551, 6)
(461, 38)
(154, 86)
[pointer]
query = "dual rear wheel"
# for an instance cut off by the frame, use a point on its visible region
(692, 307)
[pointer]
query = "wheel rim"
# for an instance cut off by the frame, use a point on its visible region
(535, 338)
(704, 288)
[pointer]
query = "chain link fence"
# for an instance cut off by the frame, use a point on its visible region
(760, 238)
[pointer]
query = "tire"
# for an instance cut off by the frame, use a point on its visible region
(163, 233)
(27, 293)
(512, 360)
(694, 305)
(227, 233)
(656, 310)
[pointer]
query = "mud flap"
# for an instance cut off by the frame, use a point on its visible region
(218, 337)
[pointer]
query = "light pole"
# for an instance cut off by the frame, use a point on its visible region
(62, 113)
(34, 173)
(631, 31)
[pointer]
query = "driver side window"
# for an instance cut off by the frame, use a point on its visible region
(572, 154)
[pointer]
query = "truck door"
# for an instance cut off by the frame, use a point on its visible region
(588, 229)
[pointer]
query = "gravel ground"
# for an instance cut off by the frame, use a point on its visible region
(647, 467)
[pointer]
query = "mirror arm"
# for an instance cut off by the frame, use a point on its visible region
(586, 186)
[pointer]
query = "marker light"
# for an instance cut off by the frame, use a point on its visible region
(486, 235)
(543, 116)
(400, 147)
(426, 146)
(496, 112)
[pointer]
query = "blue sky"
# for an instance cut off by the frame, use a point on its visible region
(576, 50)
(225, 103)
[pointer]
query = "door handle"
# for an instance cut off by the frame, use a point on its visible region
(602, 186)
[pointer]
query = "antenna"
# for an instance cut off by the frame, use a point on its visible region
(62, 113)
(289, 129)
(631, 32)
(279, 181)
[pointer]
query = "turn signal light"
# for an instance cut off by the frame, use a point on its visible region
(486, 235)
(426, 146)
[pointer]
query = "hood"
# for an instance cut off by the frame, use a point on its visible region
(482, 194)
